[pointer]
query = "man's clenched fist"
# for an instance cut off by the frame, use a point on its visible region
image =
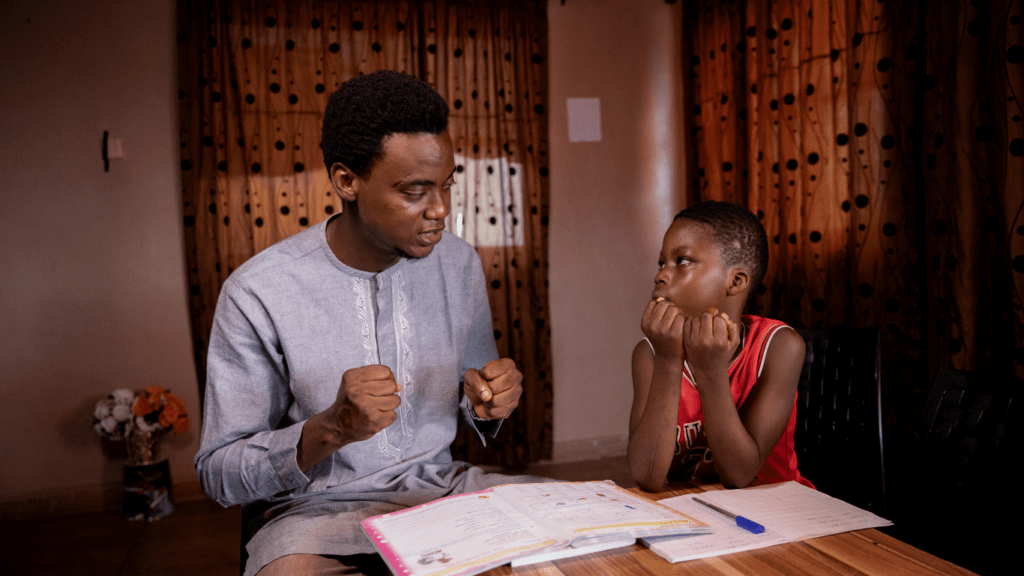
(494, 390)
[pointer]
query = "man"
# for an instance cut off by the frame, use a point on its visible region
(341, 358)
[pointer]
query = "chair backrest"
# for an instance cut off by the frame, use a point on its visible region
(839, 424)
(964, 434)
(958, 494)
(243, 556)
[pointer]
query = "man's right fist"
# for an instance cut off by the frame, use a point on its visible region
(366, 403)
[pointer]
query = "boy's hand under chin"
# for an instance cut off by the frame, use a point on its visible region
(711, 341)
(663, 323)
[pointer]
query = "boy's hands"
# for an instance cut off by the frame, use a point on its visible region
(663, 324)
(711, 340)
(494, 390)
(707, 342)
(366, 402)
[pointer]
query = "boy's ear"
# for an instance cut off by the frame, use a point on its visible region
(739, 281)
(343, 181)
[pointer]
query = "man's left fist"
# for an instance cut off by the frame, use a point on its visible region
(494, 390)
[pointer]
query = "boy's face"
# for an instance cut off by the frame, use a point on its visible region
(403, 202)
(691, 272)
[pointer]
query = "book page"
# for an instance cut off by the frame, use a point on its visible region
(794, 510)
(463, 534)
(572, 552)
(726, 539)
(592, 511)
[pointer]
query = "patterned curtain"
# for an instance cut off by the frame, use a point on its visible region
(254, 80)
(881, 144)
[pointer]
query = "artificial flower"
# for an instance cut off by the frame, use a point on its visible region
(142, 424)
(151, 410)
(155, 395)
(110, 418)
(121, 412)
(176, 403)
(169, 415)
(181, 425)
(143, 406)
(123, 395)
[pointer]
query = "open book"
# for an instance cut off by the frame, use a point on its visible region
(789, 512)
(470, 533)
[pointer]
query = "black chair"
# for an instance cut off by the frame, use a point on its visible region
(243, 556)
(958, 497)
(839, 424)
(965, 429)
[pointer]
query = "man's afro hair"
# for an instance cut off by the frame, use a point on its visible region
(367, 109)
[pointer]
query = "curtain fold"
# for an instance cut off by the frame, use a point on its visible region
(254, 80)
(881, 145)
(489, 60)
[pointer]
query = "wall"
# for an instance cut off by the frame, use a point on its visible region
(611, 202)
(92, 290)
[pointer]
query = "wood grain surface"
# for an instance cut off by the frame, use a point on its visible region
(862, 552)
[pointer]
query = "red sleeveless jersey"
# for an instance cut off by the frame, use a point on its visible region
(691, 441)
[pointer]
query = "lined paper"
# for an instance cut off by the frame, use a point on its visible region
(789, 512)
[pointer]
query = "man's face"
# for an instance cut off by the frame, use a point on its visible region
(691, 272)
(403, 202)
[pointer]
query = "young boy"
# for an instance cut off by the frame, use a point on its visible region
(712, 395)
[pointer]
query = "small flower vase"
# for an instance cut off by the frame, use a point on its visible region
(142, 446)
(147, 483)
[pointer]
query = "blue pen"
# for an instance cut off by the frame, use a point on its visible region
(745, 523)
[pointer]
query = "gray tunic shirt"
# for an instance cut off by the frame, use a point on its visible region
(288, 324)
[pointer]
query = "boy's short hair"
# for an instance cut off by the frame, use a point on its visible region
(367, 109)
(738, 233)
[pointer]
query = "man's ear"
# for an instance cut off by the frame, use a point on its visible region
(739, 281)
(343, 181)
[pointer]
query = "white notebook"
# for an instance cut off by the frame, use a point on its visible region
(789, 512)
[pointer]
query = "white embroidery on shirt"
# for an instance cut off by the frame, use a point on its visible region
(402, 337)
(387, 451)
(369, 344)
(371, 356)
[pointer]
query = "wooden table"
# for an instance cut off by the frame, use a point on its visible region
(860, 552)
